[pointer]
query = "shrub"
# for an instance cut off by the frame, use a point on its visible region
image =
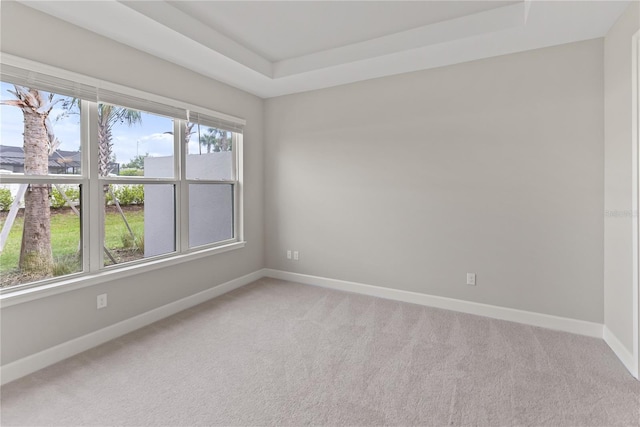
(6, 199)
(57, 201)
(108, 200)
(138, 194)
(124, 195)
(131, 172)
(130, 194)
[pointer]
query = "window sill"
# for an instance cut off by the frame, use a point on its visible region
(20, 296)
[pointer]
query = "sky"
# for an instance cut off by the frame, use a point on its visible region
(128, 141)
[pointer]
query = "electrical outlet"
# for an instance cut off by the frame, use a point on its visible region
(102, 301)
(296, 256)
(288, 254)
(471, 279)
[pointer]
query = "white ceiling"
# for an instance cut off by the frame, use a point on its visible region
(274, 48)
(279, 30)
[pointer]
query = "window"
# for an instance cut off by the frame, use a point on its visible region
(211, 171)
(40, 222)
(93, 179)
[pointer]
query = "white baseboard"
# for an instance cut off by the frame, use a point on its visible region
(625, 356)
(34, 362)
(580, 327)
(37, 361)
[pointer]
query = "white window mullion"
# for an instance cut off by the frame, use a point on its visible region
(182, 193)
(238, 191)
(85, 203)
(96, 203)
(177, 167)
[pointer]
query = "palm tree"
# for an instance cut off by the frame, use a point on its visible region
(187, 129)
(36, 257)
(108, 115)
(216, 139)
(209, 139)
(224, 141)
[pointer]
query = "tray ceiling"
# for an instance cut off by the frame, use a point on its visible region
(272, 48)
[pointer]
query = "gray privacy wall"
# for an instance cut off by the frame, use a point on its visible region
(159, 209)
(411, 181)
(618, 253)
(37, 325)
(210, 205)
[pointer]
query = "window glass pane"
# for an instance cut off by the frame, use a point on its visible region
(134, 143)
(50, 144)
(210, 153)
(40, 232)
(210, 213)
(141, 224)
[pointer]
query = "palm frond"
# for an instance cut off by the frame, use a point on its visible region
(47, 107)
(49, 128)
(14, 103)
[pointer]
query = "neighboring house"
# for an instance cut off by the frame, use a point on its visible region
(60, 162)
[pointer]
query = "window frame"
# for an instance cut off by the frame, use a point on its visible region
(236, 192)
(92, 231)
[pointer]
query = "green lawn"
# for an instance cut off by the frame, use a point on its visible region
(115, 227)
(65, 236)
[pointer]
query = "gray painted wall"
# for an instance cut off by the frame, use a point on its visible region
(618, 256)
(32, 327)
(411, 181)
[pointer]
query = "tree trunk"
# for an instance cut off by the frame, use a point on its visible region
(104, 150)
(35, 253)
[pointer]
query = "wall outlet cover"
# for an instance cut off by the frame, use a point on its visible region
(471, 279)
(102, 301)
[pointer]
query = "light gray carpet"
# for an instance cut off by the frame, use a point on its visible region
(279, 353)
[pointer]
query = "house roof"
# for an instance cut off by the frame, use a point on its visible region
(14, 156)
